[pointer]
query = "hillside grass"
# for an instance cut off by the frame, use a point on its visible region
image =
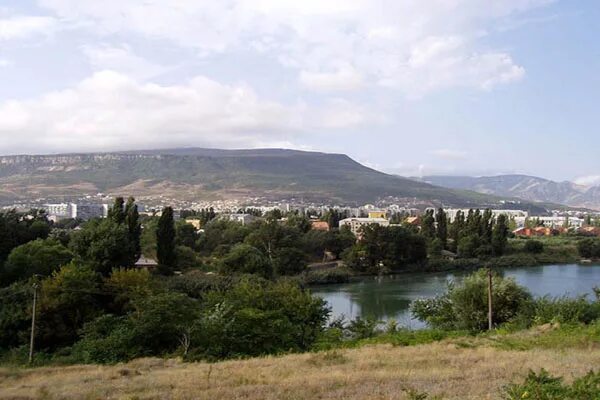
(456, 367)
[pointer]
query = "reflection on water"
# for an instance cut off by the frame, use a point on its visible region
(389, 297)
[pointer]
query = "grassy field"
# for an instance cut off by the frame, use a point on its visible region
(458, 368)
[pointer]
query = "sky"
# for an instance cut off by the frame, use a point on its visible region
(410, 87)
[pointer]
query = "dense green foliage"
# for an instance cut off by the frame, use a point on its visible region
(386, 248)
(165, 242)
(464, 307)
(589, 248)
(543, 386)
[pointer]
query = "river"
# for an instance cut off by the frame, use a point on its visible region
(389, 297)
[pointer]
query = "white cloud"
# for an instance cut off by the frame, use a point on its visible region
(591, 180)
(112, 111)
(21, 27)
(449, 154)
(4, 63)
(338, 114)
(344, 79)
(412, 46)
(123, 60)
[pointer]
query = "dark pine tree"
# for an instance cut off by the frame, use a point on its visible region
(442, 226)
(165, 242)
(500, 235)
(134, 229)
(116, 212)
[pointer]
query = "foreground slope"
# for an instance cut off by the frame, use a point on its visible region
(463, 368)
(211, 173)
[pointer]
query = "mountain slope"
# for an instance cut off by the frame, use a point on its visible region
(211, 173)
(524, 187)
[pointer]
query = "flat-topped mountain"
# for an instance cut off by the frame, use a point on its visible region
(197, 173)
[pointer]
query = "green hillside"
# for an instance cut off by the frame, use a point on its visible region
(212, 173)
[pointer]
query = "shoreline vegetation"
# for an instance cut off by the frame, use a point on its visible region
(238, 291)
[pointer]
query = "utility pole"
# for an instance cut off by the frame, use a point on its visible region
(31, 341)
(490, 309)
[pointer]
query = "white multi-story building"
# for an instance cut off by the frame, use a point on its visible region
(243, 219)
(355, 224)
(451, 213)
(553, 222)
(60, 211)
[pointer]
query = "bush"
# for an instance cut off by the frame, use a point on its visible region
(534, 247)
(327, 276)
(464, 307)
(246, 259)
(564, 310)
(467, 246)
(158, 326)
(41, 256)
(258, 317)
(589, 248)
(544, 386)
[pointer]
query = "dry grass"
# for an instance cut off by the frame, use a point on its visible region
(445, 369)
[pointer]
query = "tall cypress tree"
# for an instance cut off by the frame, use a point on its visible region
(428, 225)
(116, 212)
(165, 242)
(134, 229)
(500, 235)
(442, 226)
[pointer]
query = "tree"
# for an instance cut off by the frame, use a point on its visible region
(246, 259)
(15, 315)
(486, 226)
(428, 225)
(134, 229)
(116, 212)
(534, 246)
(299, 222)
(103, 244)
(442, 227)
(589, 248)
(464, 306)
(457, 229)
(38, 257)
(185, 234)
(500, 235)
(165, 242)
(69, 298)
(467, 246)
(18, 228)
(289, 261)
(257, 317)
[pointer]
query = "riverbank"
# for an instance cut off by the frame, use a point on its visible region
(457, 368)
(555, 251)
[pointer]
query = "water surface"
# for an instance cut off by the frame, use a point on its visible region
(389, 297)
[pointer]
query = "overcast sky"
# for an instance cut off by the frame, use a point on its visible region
(412, 87)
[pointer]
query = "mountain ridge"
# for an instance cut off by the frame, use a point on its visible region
(203, 173)
(526, 187)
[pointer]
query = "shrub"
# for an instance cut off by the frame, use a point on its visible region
(543, 386)
(257, 317)
(464, 306)
(565, 310)
(246, 259)
(327, 276)
(534, 246)
(589, 248)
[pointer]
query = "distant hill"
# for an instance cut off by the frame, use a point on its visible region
(197, 173)
(524, 187)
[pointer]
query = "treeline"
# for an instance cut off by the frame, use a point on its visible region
(94, 305)
(477, 234)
